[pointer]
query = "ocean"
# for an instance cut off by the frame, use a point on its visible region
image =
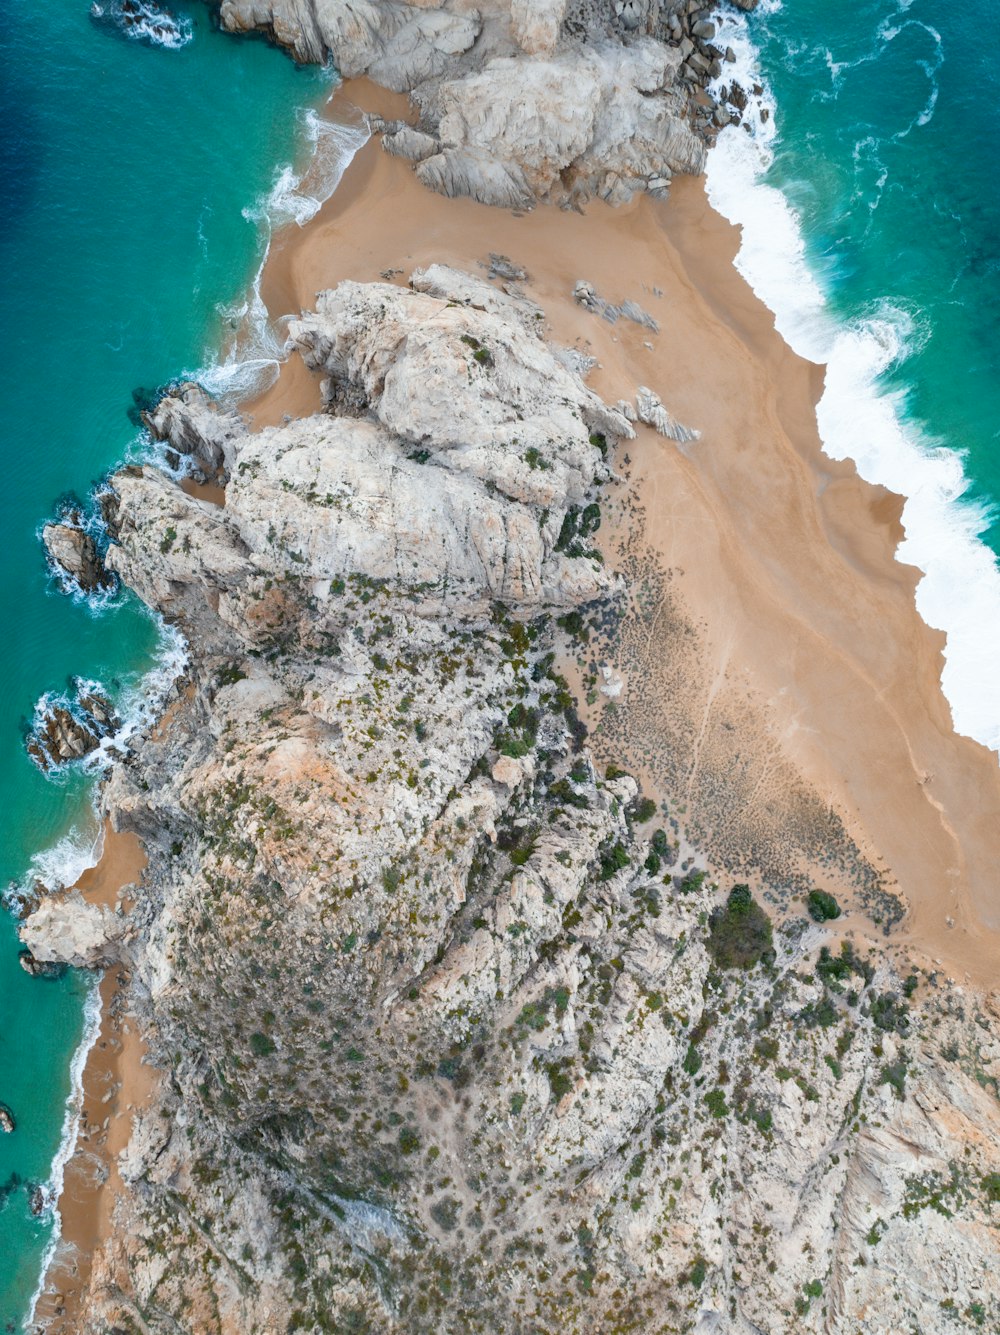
(141, 175)
(870, 205)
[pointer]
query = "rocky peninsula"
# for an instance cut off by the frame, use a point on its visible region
(508, 962)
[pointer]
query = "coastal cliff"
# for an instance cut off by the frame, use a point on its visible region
(453, 1037)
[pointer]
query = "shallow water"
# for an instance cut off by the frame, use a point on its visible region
(129, 232)
(871, 206)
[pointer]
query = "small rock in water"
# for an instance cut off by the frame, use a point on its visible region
(73, 550)
(70, 730)
(7, 1122)
(40, 968)
(37, 1199)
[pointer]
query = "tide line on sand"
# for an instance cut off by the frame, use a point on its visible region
(858, 418)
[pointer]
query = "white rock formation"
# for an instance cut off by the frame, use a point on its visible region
(515, 104)
(65, 929)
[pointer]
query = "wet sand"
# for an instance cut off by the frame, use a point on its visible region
(116, 1081)
(783, 559)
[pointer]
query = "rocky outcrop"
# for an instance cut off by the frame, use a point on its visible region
(456, 1042)
(196, 430)
(7, 1123)
(450, 490)
(591, 300)
(65, 929)
(649, 409)
(68, 729)
(72, 550)
(527, 99)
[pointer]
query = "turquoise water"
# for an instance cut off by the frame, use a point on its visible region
(125, 170)
(879, 254)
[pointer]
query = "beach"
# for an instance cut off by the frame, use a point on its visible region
(116, 1081)
(812, 663)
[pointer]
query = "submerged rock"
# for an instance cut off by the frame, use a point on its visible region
(39, 968)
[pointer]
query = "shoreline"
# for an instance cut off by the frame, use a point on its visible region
(786, 639)
(813, 614)
(863, 414)
(115, 1082)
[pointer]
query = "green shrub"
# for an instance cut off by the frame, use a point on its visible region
(822, 907)
(261, 1045)
(716, 1100)
(740, 934)
(889, 1014)
(991, 1187)
(613, 860)
(644, 810)
(445, 1213)
(697, 1273)
(575, 626)
(409, 1140)
(894, 1075)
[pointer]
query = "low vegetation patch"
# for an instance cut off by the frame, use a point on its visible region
(740, 934)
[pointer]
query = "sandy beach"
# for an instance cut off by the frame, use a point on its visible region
(794, 681)
(116, 1081)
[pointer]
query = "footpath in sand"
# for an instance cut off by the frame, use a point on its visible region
(780, 689)
(116, 1082)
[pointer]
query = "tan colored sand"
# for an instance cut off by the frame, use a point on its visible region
(116, 1081)
(783, 556)
(213, 492)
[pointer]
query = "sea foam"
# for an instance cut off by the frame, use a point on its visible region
(68, 1138)
(257, 345)
(858, 418)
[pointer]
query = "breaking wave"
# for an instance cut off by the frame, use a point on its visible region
(858, 417)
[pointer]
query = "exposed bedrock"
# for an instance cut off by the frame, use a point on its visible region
(524, 100)
(452, 1043)
(73, 550)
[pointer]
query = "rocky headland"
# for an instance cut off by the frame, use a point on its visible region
(498, 976)
(558, 100)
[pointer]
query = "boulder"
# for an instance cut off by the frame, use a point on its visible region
(7, 1122)
(73, 550)
(65, 929)
(40, 968)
